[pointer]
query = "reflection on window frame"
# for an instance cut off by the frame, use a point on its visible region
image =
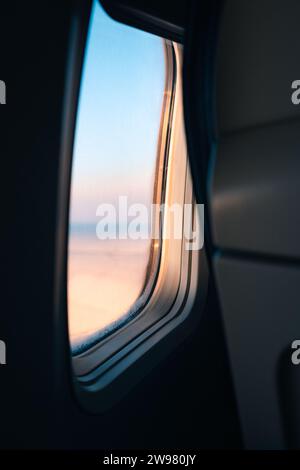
(174, 281)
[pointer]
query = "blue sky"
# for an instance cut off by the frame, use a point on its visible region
(118, 116)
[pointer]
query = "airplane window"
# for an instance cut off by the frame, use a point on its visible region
(117, 163)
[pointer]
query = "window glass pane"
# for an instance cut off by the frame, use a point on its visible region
(115, 154)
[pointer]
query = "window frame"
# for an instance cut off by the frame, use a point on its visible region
(122, 356)
(96, 393)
